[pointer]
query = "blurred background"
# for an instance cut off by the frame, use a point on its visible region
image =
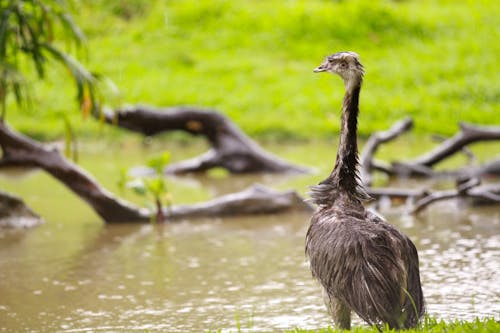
(436, 61)
(252, 60)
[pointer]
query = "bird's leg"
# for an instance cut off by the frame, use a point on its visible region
(340, 312)
(341, 315)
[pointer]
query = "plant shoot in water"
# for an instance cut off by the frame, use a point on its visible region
(153, 186)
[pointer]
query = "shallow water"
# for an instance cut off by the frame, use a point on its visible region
(74, 274)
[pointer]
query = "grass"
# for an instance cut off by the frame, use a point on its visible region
(434, 60)
(430, 325)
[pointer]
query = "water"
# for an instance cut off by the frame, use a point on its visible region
(74, 274)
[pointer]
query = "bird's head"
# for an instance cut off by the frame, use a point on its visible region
(345, 64)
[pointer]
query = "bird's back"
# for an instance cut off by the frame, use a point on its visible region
(365, 262)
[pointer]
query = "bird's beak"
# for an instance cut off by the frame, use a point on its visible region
(321, 68)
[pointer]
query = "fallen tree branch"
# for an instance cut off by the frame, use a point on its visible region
(419, 199)
(491, 168)
(423, 166)
(467, 178)
(468, 134)
(376, 139)
(255, 200)
(397, 194)
(405, 169)
(231, 148)
(20, 151)
(15, 214)
(481, 194)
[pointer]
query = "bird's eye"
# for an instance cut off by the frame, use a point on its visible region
(343, 64)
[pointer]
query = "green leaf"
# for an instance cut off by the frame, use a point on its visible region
(155, 186)
(159, 162)
(122, 180)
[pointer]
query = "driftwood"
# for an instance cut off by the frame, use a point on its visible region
(397, 194)
(467, 179)
(15, 214)
(423, 165)
(20, 151)
(231, 148)
(418, 199)
(368, 163)
(468, 189)
(468, 134)
(255, 200)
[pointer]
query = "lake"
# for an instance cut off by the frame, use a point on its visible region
(75, 274)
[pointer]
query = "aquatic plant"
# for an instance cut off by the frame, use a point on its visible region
(152, 186)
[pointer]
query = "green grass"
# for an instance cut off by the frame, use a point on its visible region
(430, 325)
(434, 60)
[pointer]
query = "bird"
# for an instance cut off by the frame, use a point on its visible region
(364, 264)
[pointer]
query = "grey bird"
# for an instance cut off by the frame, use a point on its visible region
(363, 263)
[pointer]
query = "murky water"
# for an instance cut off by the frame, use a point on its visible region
(74, 274)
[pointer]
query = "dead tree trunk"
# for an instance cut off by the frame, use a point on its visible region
(20, 151)
(231, 148)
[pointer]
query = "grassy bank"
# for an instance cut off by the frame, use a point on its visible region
(434, 60)
(429, 326)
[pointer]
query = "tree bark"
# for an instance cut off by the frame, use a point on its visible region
(20, 151)
(231, 148)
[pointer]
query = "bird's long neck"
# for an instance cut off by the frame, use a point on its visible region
(344, 173)
(344, 179)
